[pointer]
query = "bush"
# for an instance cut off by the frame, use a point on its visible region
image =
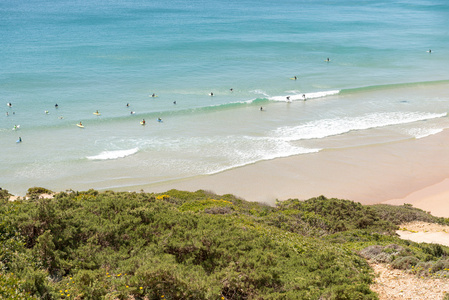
(37, 191)
(405, 262)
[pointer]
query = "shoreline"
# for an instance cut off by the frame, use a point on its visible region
(412, 171)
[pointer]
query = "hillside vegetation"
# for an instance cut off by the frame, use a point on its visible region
(184, 245)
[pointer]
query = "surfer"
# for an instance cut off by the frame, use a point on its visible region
(159, 119)
(133, 112)
(9, 104)
(174, 102)
(288, 98)
(304, 97)
(56, 105)
(127, 104)
(46, 112)
(81, 124)
(19, 140)
(231, 89)
(328, 60)
(211, 94)
(143, 122)
(154, 95)
(261, 108)
(295, 78)
(430, 51)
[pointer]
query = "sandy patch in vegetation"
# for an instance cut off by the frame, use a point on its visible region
(422, 232)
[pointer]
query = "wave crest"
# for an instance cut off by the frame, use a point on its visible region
(105, 155)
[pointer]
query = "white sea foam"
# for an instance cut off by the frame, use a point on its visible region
(300, 96)
(329, 127)
(113, 154)
(420, 133)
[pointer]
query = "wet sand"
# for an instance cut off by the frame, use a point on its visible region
(410, 171)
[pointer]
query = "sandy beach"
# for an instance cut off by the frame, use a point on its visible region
(413, 171)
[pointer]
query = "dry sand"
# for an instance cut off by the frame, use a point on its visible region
(412, 171)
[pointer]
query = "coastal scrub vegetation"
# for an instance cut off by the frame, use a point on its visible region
(198, 245)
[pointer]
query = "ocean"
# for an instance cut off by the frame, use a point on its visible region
(291, 77)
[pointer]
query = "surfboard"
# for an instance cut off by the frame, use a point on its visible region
(155, 96)
(18, 141)
(16, 127)
(80, 126)
(142, 123)
(97, 113)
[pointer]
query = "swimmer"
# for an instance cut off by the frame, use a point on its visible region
(231, 89)
(56, 105)
(174, 102)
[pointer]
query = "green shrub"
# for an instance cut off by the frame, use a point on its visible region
(38, 191)
(405, 262)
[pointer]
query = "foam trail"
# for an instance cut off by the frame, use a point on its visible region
(329, 127)
(105, 155)
(296, 97)
(420, 133)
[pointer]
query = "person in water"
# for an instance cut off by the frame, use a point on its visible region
(127, 104)
(288, 98)
(261, 108)
(20, 139)
(154, 95)
(295, 78)
(231, 89)
(159, 119)
(174, 102)
(56, 105)
(211, 94)
(143, 122)
(304, 97)
(81, 124)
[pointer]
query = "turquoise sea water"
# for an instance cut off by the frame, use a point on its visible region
(381, 84)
